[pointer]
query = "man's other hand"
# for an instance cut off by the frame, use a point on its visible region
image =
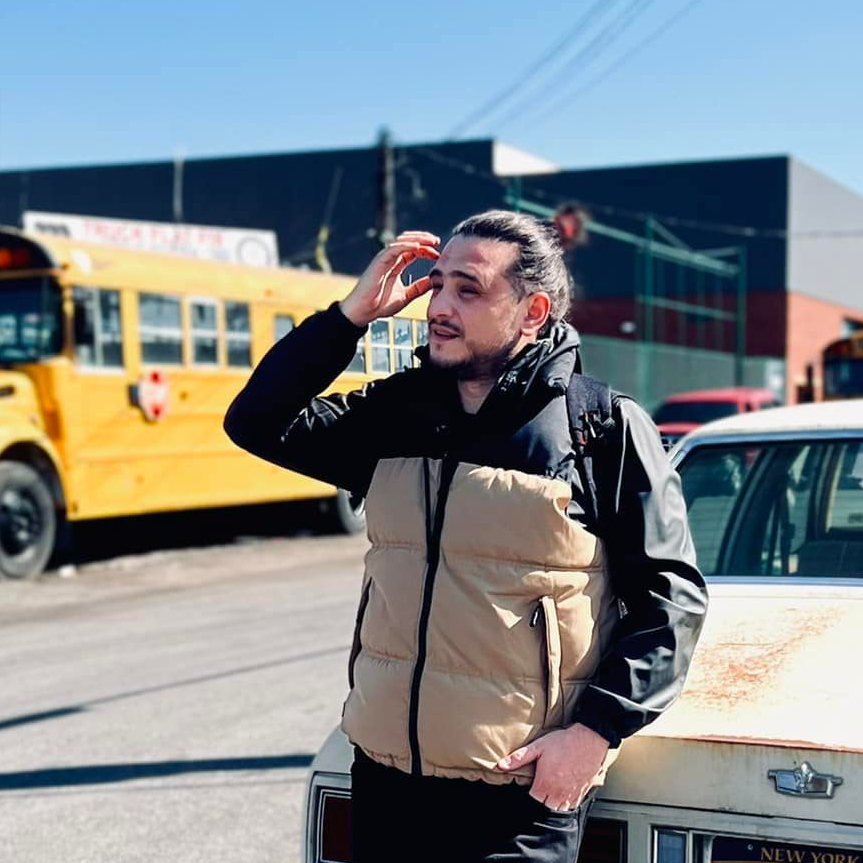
(567, 763)
(380, 292)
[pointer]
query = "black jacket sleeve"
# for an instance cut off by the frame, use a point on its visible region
(652, 562)
(278, 416)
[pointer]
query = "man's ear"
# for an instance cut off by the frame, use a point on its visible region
(536, 313)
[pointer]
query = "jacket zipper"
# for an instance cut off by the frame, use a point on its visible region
(537, 615)
(434, 529)
(550, 655)
(356, 646)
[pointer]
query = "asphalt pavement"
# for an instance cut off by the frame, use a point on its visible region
(165, 706)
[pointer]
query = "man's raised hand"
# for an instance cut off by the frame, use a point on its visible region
(380, 292)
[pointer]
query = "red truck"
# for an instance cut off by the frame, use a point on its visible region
(681, 413)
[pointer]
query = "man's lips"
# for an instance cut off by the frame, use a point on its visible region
(443, 333)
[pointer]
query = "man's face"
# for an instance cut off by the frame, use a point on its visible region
(474, 314)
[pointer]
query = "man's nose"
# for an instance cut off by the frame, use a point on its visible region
(440, 305)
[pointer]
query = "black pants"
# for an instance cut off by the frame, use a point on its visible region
(398, 818)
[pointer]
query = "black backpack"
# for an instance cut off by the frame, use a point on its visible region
(597, 442)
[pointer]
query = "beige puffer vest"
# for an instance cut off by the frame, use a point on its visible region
(518, 611)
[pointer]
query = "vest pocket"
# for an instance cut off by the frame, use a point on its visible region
(357, 645)
(550, 646)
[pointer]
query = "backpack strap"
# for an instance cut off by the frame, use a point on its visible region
(591, 421)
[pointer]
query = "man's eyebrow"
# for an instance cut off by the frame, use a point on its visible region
(461, 274)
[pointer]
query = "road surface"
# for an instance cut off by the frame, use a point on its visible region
(165, 706)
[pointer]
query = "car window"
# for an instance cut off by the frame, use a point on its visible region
(777, 509)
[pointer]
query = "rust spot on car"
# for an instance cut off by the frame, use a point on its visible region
(733, 665)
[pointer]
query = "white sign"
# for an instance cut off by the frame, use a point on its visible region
(230, 245)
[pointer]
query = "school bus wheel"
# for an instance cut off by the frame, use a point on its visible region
(28, 521)
(348, 512)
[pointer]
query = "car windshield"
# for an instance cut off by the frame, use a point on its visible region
(693, 412)
(843, 378)
(30, 319)
(777, 508)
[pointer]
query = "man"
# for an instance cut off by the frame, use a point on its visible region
(501, 648)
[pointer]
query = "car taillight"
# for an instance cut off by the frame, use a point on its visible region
(604, 842)
(334, 827)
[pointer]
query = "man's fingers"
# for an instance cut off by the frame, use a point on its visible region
(417, 288)
(390, 255)
(420, 236)
(519, 758)
(399, 265)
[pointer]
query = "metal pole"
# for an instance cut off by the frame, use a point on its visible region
(23, 195)
(648, 336)
(515, 193)
(740, 352)
(386, 216)
(178, 187)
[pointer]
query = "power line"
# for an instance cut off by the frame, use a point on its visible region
(636, 49)
(583, 57)
(600, 6)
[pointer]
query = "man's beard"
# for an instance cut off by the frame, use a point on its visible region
(484, 366)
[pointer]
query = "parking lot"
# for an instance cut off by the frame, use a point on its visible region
(165, 704)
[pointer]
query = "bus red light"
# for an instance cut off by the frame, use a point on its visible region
(15, 258)
(21, 258)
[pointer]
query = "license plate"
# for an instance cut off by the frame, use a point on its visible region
(728, 850)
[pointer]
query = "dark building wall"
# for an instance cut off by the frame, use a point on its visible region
(286, 193)
(733, 192)
(436, 186)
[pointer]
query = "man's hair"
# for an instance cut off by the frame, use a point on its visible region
(539, 264)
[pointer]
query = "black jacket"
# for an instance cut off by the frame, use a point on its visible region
(522, 425)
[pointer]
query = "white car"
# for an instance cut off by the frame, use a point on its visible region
(761, 759)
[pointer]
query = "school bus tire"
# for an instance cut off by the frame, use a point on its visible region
(348, 512)
(28, 521)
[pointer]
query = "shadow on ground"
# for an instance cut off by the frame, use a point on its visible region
(98, 774)
(94, 541)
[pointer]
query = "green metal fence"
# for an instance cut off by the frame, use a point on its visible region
(651, 371)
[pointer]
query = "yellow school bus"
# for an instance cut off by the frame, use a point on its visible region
(843, 367)
(116, 369)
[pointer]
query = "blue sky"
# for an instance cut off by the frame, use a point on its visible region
(89, 82)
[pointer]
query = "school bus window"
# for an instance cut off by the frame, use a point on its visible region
(403, 340)
(422, 336)
(283, 324)
(205, 332)
(161, 329)
(98, 332)
(358, 363)
(30, 324)
(381, 361)
(239, 334)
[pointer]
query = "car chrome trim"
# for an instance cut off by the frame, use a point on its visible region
(808, 580)
(804, 781)
(714, 439)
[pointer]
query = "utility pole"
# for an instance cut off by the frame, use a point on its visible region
(385, 222)
(178, 187)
